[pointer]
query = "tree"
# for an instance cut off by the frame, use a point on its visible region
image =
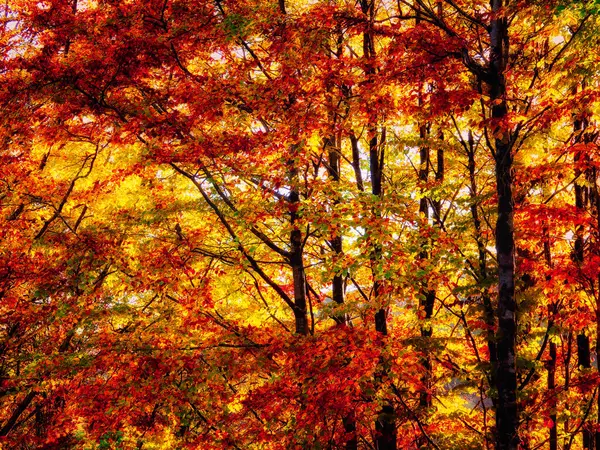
(222, 224)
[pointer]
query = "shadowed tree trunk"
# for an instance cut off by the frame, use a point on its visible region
(594, 202)
(567, 385)
(551, 364)
(580, 125)
(597, 198)
(333, 147)
(385, 425)
(482, 275)
(426, 295)
(296, 254)
(507, 420)
(335, 241)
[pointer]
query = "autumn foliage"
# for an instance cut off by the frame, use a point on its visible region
(294, 224)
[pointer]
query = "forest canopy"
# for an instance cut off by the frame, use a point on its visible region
(299, 224)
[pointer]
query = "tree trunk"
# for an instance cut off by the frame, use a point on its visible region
(595, 202)
(567, 384)
(426, 295)
(335, 241)
(385, 425)
(581, 196)
(597, 433)
(551, 366)
(488, 308)
(296, 257)
(332, 146)
(507, 421)
(552, 391)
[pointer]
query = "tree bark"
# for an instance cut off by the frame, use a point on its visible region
(356, 162)
(552, 390)
(581, 202)
(21, 407)
(333, 146)
(482, 275)
(551, 365)
(426, 295)
(335, 241)
(385, 425)
(337, 286)
(507, 420)
(567, 384)
(296, 256)
(595, 202)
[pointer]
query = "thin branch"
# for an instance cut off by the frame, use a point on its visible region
(231, 232)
